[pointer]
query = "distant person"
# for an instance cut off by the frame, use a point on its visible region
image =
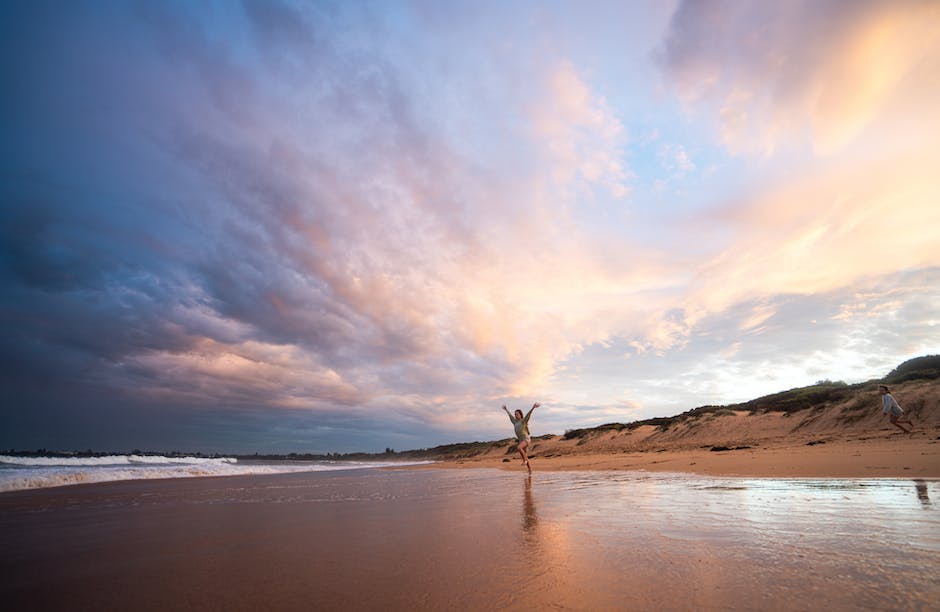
(521, 425)
(891, 408)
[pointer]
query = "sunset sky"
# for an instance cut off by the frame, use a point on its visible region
(345, 226)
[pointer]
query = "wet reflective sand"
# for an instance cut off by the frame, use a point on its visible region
(475, 539)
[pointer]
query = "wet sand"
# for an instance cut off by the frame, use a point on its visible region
(473, 539)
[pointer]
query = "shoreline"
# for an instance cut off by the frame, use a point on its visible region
(892, 456)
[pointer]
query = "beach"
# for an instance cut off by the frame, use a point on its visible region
(822, 508)
(463, 306)
(471, 539)
(868, 455)
(845, 438)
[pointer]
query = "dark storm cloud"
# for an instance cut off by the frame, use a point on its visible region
(178, 196)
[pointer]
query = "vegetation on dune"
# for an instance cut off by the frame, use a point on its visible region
(573, 434)
(455, 451)
(926, 367)
(821, 395)
(855, 410)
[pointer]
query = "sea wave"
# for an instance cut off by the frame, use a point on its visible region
(19, 473)
(114, 460)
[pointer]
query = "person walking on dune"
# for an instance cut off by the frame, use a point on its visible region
(521, 425)
(891, 408)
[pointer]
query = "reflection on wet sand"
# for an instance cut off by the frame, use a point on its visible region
(922, 495)
(530, 519)
(556, 567)
(467, 540)
(600, 541)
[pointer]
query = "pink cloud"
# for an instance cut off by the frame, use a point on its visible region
(583, 136)
(776, 74)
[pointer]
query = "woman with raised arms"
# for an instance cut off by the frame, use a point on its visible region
(521, 425)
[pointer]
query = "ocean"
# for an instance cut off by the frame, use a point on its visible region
(19, 473)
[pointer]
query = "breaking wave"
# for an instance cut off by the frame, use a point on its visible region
(114, 460)
(19, 473)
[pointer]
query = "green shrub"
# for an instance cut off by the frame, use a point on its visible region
(572, 434)
(859, 404)
(927, 367)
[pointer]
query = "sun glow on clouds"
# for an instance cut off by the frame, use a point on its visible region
(244, 374)
(794, 68)
(821, 223)
(397, 220)
(582, 133)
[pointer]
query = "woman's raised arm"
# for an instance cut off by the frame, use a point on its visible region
(534, 406)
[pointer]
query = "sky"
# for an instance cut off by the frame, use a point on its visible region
(269, 226)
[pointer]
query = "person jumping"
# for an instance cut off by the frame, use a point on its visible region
(521, 425)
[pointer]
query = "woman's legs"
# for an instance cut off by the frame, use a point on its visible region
(896, 421)
(522, 446)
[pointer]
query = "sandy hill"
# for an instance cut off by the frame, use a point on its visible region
(821, 413)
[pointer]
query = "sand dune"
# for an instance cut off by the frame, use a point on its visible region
(847, 438)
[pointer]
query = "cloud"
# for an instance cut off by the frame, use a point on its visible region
(583, 135)
(827, 230)
(305, 242)
(779, 72)
(676, 159)
(852, 333)
(347, 219)
(852, 80)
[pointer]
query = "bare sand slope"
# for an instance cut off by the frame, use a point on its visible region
(847, 438)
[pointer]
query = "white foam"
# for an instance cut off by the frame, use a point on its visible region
(114, 460)
(18, 473)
